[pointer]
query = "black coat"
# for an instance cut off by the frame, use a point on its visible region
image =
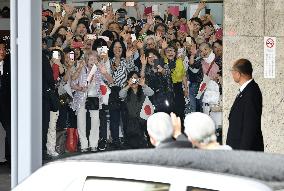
(245, 120)
(5, 94)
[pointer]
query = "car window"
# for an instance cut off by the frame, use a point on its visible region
(98, 184)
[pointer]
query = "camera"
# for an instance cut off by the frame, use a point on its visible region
(135, 81)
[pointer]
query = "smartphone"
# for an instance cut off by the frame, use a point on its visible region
(188, 40)
(77, 44)
(55, 54)
(98, 25)
(72, 56)
(130, 4)
(133, 37)
(91, 37)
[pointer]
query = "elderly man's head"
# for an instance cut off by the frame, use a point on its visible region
(159, 127)
(200, 129)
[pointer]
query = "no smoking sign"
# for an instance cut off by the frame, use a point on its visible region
(270, 43)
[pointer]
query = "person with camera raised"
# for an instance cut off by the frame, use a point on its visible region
(134, 94)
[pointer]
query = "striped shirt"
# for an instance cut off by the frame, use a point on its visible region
(119, 73)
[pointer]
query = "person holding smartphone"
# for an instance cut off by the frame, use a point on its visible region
(134, 94)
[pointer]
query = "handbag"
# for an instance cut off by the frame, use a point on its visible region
(72, 140)
(92, 103)
(60, 141)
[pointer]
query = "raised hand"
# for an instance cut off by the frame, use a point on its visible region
(129, 53)
(102, 68)
(143, 60)
(139, 44)
(79, 13)
(58, 22)
(176, 125)
(164, 44)
(142, 82)
(201, 5)
(69, 9)
(193, 49)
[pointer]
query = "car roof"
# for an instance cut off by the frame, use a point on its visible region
(266, 167)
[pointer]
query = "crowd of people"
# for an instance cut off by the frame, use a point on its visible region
(104, 64)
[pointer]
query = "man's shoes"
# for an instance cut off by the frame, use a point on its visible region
(102, 145)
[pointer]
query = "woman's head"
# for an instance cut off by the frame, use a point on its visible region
(58, 40)
(117, 49)
(114, 26)
(200, 129)
(81, 29)
(170, 51)
(62, 30)
(134, 77)
(152, 54)
(149, 42)
(218, 48)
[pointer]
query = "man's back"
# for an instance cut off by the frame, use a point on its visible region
(245, 120)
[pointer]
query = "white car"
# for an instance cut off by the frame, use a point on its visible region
(161, 170)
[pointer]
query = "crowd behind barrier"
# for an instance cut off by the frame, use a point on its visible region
(105, 73)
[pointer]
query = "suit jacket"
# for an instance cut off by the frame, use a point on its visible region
(181, 142)
(245, 120)
(5, 94)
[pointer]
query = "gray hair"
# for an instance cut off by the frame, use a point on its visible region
(159, 126)
(200, 127)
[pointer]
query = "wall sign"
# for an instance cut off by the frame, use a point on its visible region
(269, 57)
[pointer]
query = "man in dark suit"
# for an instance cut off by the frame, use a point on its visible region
(245, 117)
(5, 97)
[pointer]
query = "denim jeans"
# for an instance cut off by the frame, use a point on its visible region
(195, 104)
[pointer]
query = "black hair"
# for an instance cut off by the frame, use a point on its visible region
(98, 12)
(108, 34)
(139, 91)
(153, 51)
(160, 24)
(111, 53)
(56, 36)
(61, 28)
(71, 18)
(50, 20)
(3, 42)
(67, 50)
(174, 41)
(196, 19)
(244, 66)
(218, 42)
(121, 10)
(133, 20)
(98, 43)
(171, 44)
(158, 17)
